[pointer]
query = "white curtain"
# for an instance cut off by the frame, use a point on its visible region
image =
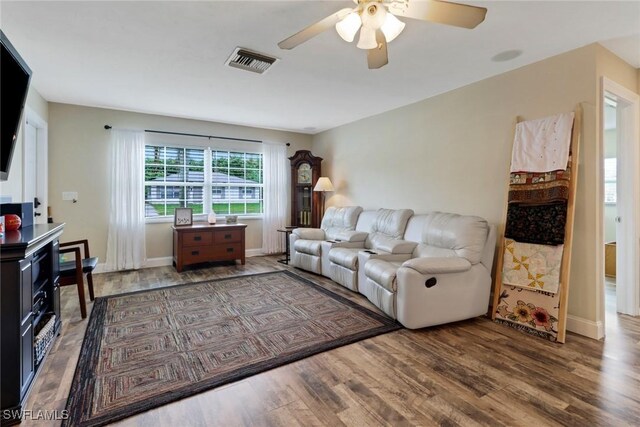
(276, 185)
(126, 242)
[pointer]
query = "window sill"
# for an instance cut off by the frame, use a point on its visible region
(201, 218)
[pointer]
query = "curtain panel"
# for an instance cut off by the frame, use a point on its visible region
(126, 247)
(276, 185)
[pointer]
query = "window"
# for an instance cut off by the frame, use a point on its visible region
(230, 183)
(237, 186)
(610, 181)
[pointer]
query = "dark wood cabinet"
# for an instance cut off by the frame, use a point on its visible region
(29, 308)
(305, 203)
(199, 243)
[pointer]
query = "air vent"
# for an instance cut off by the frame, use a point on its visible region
(246, 59)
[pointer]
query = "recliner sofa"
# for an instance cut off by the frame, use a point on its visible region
(447, 278)
(338, 228)
(422, 270)
(383, 240)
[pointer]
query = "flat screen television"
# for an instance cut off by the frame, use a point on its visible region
(15, 76)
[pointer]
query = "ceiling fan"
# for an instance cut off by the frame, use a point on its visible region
(378, 25)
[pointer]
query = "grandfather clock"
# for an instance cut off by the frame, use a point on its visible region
(305, 203)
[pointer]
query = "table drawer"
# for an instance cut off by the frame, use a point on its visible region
(227, 236)
(200, 238)
(194, 255)
(227, 251)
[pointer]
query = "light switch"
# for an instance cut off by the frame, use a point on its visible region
(69, 195)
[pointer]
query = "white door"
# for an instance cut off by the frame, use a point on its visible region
(35, 166)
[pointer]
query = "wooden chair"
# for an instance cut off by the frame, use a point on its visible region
(72, 272)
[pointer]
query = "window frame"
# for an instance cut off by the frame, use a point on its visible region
(207, 185)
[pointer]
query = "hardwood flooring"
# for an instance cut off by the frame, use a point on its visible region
(468, 373)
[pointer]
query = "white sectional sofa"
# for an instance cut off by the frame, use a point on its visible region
(422, 270)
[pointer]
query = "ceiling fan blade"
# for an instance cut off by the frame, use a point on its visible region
(442, 12)
(313, 29)
(378, 57)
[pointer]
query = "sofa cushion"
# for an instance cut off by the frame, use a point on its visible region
(456, 235)
(389, 224)
(309, 233)
(383, 273)
(345, 257)
(339, 219)
(311, 247)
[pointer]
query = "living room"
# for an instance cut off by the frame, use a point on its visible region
(441, 141)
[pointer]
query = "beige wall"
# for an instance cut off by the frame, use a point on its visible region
(78, 154)
(452, 152)
(12, 187)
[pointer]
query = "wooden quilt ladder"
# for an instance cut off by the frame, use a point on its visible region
(558, 301)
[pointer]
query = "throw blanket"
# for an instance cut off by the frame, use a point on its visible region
(541, 224)
(545, 192)
(532, 266)
(542, 145)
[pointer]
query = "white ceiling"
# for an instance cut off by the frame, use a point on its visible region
(168, 57)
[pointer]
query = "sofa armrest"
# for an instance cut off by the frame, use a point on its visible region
(351, 236)
(438, 265)
(395, 246)
(309, 233)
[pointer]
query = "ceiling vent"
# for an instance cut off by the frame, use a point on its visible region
(246, 59)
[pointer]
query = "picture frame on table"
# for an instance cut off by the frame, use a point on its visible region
(183, 217)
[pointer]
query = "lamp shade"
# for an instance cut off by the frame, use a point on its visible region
(367, 39)
(349, 26)
(323, 184)
(392, 27)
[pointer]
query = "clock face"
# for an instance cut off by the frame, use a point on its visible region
(304, 174)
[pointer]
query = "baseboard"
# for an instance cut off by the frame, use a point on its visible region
(167, 260)
(253, 252)
(585, 327)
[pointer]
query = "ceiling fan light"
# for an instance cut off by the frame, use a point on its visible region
(349, 26)
(367, 39)
(373, 15)
(392, 27)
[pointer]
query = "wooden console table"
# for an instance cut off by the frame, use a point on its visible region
(202, 242)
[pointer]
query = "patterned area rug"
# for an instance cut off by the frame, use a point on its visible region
(146, 349)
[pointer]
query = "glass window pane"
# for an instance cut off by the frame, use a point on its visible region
(254, 161)
(154, 192)
(195, 174)
(236, 160)
(254, 207)
(153, 154)
(175, 174)
(174, 193)
(236, 176)
(154, 173)
(220, 159)
(175, 156)
(219, 193)
(220, 175)
(152, 209)
(254, 176)
(221, 208)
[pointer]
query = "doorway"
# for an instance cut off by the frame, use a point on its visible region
(620, 157)
(35, 162)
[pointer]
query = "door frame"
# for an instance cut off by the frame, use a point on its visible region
(628, 107)
(42, 146)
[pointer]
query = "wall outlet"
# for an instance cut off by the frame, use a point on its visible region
(70, 195)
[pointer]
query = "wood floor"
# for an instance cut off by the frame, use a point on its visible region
(468, 373)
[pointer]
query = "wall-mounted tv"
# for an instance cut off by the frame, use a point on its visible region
(15, 76)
